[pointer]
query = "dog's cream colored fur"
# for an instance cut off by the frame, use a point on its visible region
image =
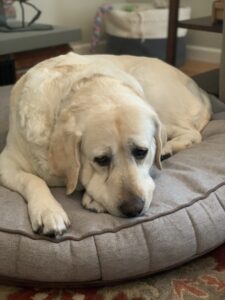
(68, 110)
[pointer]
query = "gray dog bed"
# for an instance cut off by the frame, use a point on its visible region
(186, 219)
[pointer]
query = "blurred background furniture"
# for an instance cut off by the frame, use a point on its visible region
(212, 81)
(218, 10)
(21, 50)
(6, 9)
(24, 43)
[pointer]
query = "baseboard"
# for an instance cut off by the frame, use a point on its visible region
(211, 55)
(85, 48)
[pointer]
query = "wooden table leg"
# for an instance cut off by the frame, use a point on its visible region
(172, 31)
(7, 70)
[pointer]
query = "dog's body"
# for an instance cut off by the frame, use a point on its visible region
(99, 121)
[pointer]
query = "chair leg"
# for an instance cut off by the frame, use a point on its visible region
(7, 70)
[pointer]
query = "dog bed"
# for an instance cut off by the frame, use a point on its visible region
(186, 219)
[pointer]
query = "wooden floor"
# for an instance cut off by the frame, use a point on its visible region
(192, 67)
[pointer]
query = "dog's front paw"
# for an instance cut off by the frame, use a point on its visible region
(165, 156)
(91, 204)
(50, 220)
(166, 152)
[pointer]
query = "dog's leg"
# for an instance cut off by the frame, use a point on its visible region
(91, 204)
(184, 139)
(46, 214)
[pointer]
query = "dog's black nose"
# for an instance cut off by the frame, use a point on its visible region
(132, 208)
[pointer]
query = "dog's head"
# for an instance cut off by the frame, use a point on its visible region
(108, 138)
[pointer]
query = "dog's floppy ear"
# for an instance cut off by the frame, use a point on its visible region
(64, 151)
(160, 138)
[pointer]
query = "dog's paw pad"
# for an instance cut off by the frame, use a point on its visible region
(91, 204)
(167, 151)
(54, 234)
(165, 156)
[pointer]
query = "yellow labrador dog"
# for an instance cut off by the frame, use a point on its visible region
(99, 122)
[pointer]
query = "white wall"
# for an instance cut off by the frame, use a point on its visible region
(80, 13)
(201, 8)
(75, 13)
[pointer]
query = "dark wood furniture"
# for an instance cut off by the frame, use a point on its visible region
(218, 9)
(210, 80)
(20, 51)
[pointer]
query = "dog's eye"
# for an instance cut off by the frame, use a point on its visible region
(103, 160)
(139, 153)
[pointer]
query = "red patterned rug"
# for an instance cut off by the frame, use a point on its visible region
(203, 278)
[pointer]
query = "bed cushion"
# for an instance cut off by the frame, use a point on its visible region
(186, 219)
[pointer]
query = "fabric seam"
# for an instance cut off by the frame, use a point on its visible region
(119, 228)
